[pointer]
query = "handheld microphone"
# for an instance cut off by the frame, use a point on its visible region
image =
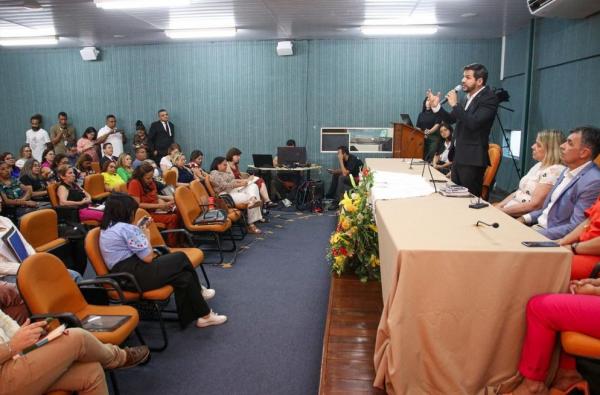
(457, 88)
(493, 225)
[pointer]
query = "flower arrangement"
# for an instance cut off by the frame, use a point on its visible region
(354, 244)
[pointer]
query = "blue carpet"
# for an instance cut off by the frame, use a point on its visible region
(276, 299)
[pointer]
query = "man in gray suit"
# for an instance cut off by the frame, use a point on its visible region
(576, 189)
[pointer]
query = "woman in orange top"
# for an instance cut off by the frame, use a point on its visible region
(142, 188)
(585, 243)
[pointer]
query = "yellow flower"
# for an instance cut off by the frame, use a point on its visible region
(334, 238)
(374, 261)
(347, 203)
(339, 262)
(344, 223)
(373, 227)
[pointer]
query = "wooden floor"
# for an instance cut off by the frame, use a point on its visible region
(349, 342)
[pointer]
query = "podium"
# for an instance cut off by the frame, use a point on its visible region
(408, 141)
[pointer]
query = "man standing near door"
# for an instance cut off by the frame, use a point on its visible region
(161, 135)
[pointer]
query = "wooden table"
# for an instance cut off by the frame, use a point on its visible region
(454, 293)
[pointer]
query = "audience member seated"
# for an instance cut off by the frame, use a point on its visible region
(243, 191)
(112, 181)
(70, 194)
(195, 165)
(547, 315)
(83, 168)
(31, 175)
(233, 166)
(125, 247)
(576, 189)
(442, 160)
(184, 174)
(429, 123)
(73, 363)
(166, 162)
(107, 154)
(88, 143)
(48, 158)
(140, 139)
(59, 160)
(340, 178)
(25, 153)
(9, 159)
(16, 196)
(144, 190)
(536, 184)
(124, 169)
(584, 243)
(11, 302)
(72, 154)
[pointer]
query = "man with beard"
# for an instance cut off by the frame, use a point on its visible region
(36, 137)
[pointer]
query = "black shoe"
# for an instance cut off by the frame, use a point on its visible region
(270, 204)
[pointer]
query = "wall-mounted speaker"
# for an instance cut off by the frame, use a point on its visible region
(89, 53)
(284, 48)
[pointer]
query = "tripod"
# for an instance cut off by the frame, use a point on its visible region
(506, 140)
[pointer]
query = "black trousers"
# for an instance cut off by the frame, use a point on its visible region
(470, 177)
(339, 184)
(173, 269)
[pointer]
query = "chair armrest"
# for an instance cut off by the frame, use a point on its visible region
(126, 278)
(187, 234)
(69, 319)
(96, 282)
(595, 271)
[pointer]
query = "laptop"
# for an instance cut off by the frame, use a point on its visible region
(290, 156)
(406, 119)
(15, 243)
(261, 160)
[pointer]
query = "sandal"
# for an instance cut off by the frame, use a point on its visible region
(254, 230)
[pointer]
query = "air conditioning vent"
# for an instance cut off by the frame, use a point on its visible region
(563, 8)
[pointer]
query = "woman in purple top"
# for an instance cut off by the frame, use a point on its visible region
(125, 247)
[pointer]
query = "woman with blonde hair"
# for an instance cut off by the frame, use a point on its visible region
(537, 183)
(124, 168)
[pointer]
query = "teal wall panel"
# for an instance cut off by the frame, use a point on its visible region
(236, 93)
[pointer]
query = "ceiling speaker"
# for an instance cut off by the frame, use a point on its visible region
(89, 53)
(284, 48)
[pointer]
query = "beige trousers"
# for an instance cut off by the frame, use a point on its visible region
(245, 194)
(73, 362)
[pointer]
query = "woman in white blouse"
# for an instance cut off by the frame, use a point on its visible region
(537, 183)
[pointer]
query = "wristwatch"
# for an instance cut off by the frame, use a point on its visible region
(574, 248)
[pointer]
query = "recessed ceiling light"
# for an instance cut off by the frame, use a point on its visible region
(469, 14)
(398, 30)
(118, 36)
(125, 4)
(24, 41)
(201, 33)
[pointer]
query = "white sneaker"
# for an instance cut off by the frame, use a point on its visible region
(213, 319)
(208, 293)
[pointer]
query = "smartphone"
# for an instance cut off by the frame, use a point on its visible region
(143, 222)
(540, 244)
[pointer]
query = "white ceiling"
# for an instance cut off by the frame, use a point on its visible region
(79, 22)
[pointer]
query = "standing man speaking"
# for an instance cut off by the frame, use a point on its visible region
(474, 118)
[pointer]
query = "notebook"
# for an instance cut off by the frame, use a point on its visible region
(13, 240)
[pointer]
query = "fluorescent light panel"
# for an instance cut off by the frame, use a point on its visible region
(24, 41)
(126, 4)
(201, 33)
(369, 30)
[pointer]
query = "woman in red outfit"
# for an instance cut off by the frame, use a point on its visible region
(142, 188)
(585, 243)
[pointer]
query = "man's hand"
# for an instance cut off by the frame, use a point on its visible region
(434, 100)
(452, 98)
(27, 335)
(340, 156)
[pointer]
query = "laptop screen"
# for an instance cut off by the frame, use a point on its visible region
(16, 244)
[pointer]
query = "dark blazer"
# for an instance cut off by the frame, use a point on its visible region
(105, 159)
(568, 211)
(159, 140)
(472, 131)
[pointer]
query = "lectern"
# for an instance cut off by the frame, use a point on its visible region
(408, 141)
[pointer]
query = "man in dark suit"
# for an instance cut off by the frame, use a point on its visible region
(474, 118)
(161, 135)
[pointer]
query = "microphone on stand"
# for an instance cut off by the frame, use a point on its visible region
(457, 89)
(493, 225)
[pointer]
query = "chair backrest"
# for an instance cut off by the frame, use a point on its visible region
(200, 193)
(495, 153)
(46, 286)
(156, 238)
(53, 194)
(96, 167)
(94, 184)
(209, 187)
(187, 206)
(170, 177)
(39, 227)
(92, 249)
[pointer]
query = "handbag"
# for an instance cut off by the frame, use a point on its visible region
(216, 216)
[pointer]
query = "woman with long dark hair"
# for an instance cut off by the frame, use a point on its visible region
(125, 247)
(429, 123)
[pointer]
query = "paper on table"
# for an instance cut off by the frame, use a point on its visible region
(391, 185)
